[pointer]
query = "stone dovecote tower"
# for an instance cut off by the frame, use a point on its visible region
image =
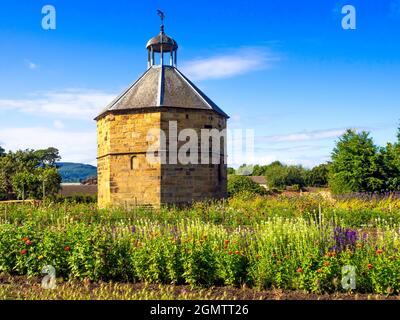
(150, 115)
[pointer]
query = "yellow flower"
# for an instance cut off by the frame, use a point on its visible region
(40, 257)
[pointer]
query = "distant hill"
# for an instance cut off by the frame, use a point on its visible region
(75, 172)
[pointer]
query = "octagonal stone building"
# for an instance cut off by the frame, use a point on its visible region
(150, 115)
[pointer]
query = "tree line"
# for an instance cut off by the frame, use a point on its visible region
(281, 176)
(357, 165)
(29, 174)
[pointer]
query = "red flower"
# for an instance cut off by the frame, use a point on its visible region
(230, 252)
(299, 270)
(67, 248)
(379, 251)
(237, 252)
(25, 239)
(23, 251)
(28, 242)
(226, 242)
(370, 266)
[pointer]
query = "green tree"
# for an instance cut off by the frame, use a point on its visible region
(240, 184)
(276, 176)
(258, 170)
(356, 164)
(2, 152)
(29, 174)
(281, 176)
(318, 176)
(25, 185)
(50, 181)
(398, 134)
(47, 157)
(391, 166)
(296, 176)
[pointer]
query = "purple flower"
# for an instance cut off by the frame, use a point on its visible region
(344, 238)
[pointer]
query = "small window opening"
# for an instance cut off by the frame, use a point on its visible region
(134, 163)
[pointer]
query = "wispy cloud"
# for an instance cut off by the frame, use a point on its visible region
(31, 65)
(74, 146)
(304, 136)
(231, 64)
(72, 103)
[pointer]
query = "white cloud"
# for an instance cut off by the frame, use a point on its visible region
(73, 103)
(31, 65)
(58, 124)
(304, 136)
(73, 146)
(229, 65)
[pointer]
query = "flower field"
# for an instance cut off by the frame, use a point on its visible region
(286, 242)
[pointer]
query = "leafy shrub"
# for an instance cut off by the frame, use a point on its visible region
(240, 184)
(281, 176)
(318, 176)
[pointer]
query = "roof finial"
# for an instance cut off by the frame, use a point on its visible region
(162, 17)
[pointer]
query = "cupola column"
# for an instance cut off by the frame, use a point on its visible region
(162, 44)
(175, 59)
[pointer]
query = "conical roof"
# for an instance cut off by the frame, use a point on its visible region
(162, 86)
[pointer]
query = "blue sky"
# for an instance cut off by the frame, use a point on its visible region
(284, 68)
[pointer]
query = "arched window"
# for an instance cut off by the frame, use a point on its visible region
(134, 163)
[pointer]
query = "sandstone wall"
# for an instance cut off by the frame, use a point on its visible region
(125, 176)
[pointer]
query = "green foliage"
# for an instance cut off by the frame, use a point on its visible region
(356, 164)
(390, 159)
(318, 176)
(25, 184)
(398, 134)
(2, 152)
(29, 174)
(240, 184)
(274, 251)
(275, 175)
(259, 170)
(282, 176)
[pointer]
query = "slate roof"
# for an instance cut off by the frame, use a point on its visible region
(162, 86)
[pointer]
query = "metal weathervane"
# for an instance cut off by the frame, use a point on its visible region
(161, 15)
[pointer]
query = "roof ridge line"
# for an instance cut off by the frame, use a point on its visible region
(160, 96)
